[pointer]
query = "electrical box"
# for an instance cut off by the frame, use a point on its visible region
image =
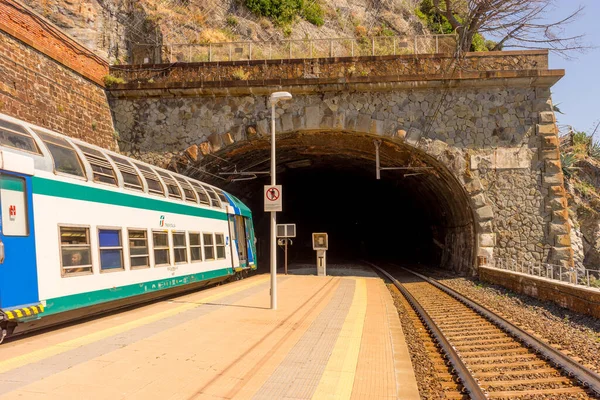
(286, 230)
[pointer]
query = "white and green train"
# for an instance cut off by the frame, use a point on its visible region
(84, 230)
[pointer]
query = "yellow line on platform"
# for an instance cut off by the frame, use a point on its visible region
(37, 355)
(338, 378)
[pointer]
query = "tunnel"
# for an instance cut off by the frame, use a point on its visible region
(416, 213)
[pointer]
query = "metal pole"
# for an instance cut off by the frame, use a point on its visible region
(377, 173)
(250, 50)
(352, 47)
(273, 217)
(437, 44)
(373, 45)
(210, 52)
(330, 48)
(286, 240)
(230, 52)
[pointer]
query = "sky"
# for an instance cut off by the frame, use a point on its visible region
(577, 95)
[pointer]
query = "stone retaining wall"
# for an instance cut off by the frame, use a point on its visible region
(574, 297)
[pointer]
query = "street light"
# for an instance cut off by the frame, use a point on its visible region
(274, 99)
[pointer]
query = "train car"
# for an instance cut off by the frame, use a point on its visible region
(84, 230)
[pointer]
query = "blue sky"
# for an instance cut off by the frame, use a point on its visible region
(577, 94)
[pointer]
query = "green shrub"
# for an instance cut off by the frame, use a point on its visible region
(284, 11)
(313, 13)
(281, 11)
(110, 80)
(594, 151)
(567, 160)
(231, 20)
(436, 22)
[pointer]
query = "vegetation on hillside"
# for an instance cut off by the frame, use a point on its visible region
(437, 22)
(284, 12)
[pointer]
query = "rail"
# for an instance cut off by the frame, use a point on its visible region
(573, 275)
(292, 49)
(588, 378)
(462, 371)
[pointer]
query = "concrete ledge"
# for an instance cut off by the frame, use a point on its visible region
(574, 297)
(532, 78)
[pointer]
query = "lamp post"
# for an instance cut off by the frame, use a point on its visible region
(274, 99)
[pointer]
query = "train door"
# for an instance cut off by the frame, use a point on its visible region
(242, 240)
(235, 262)
(18, 274)
(251, 243)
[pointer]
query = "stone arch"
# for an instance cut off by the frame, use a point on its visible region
(463, 248)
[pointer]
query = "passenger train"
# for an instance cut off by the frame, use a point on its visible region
(84, 230)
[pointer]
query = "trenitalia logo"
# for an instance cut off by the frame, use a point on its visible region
(163, 224)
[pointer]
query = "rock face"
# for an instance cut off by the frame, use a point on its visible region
(500, 143)
(583, 188)
(110, 27)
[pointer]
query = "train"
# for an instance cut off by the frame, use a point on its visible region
(84, 230)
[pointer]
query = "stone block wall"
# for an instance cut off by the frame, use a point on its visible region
(48, 79)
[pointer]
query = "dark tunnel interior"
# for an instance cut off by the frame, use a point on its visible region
(417, 214)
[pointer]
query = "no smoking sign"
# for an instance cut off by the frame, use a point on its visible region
(272, 196)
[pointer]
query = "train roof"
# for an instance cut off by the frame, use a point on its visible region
(59, 154)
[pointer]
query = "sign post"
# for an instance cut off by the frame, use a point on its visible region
(320, 244)
(274, 194)
(285, 232)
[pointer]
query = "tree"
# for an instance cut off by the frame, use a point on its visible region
(514, 23)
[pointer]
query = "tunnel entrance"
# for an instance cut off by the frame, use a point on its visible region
(418, 214)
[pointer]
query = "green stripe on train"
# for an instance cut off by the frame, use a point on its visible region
(74, 301)
(67, 190)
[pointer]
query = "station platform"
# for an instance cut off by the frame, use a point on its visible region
(335, 337)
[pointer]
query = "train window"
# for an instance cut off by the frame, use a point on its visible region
(15, 136)
(65, 158)
(103, 171)
(171, 185)
(222, 196)
(154, 185)
(15, 220)
(213, 197)
(209, 246)
(187, 190)
(195, 247)
(202, 196)
(138, 249)
(111, 249)
(220, 242)
(161, 248)
(131, 179)
(180, 247)
(75, 250)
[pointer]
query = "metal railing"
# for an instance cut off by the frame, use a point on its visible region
(293, 49)
(576, 276)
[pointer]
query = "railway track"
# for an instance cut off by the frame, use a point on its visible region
(491, 357)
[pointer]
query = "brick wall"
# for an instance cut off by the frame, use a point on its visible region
(50, 80)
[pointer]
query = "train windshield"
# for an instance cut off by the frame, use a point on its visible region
(15, 136)
(63, 154)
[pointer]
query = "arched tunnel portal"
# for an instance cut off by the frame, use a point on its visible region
(417, 214)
